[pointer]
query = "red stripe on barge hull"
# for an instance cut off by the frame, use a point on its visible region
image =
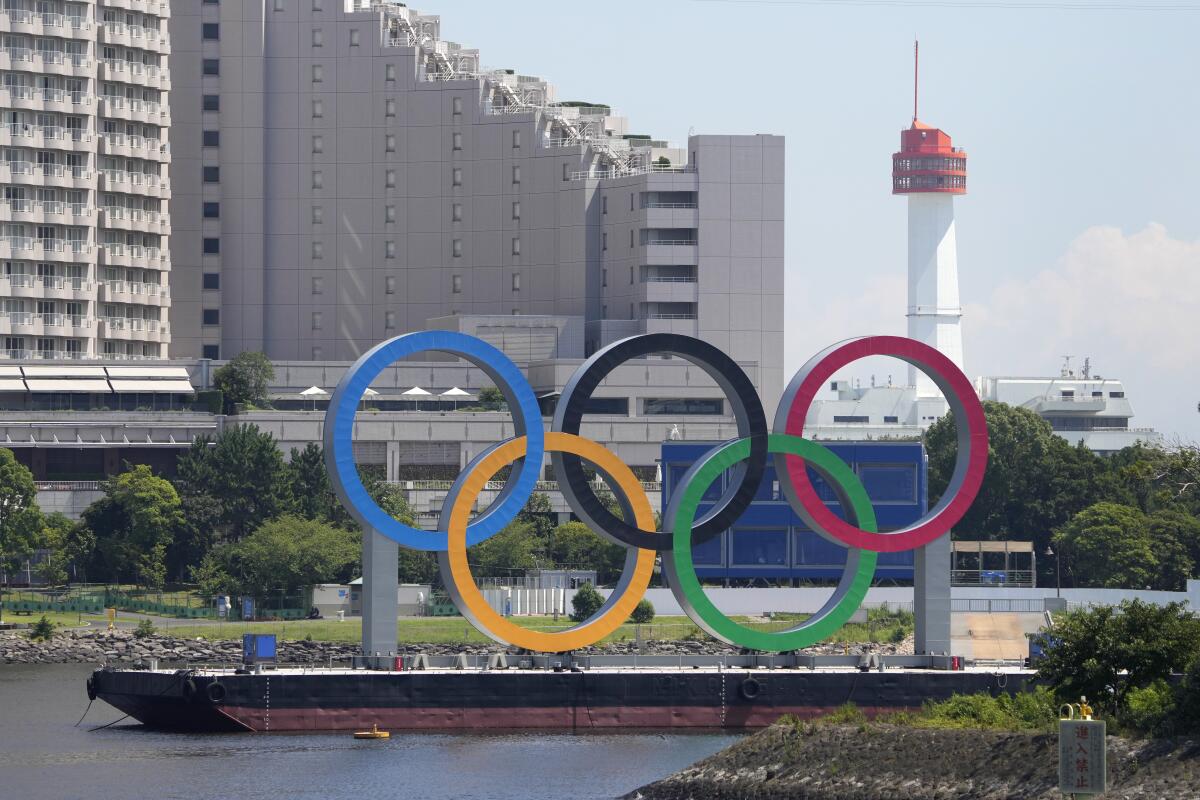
(546, 718)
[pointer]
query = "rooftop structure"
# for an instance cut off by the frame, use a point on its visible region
(84, 222)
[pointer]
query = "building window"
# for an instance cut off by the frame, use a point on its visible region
(389, 285)
(516, 174)
(389, 179)
(318, 144)
(457, 105)
(318, 73)
(456, 176)
(211, 316)
(318, 5)
(604, 277)
(211, 66)
(389, 72)
(318, 179)
(212, 102)
(631, 279)
(631, 201)
(210, 139)
(212, 246)
(211, 351)
(389, 320)
(389, 213)
(318, 38)
(1117, 395)
(212, 210)
(212, 174)
(210, 32)
(516, 210)
(316, 320)
(851, 419)
(389, 143)
(690, 405)
(317, 353)
(516, 140)
(456, 284)
(456, 212)
(389, 249)
(604, 204)
(318, 214)
(516, 246)
(318, 285)
(279, 5)
(318, 109)
(456, 141)
(566, 172)
(318, 249)
(891, 420)
(354, 37)
(389, 107)
(604, 241)
(456, 249)
(516, 282)
(211, 281)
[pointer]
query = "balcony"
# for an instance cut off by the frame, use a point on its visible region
(132, 255)
(133, 292)
(44, 136)
(118, 180)
(53, 62)
(38, 23)
(33, 98)
(120, 144)
(20, 210)
(136, 219)
(133, 328)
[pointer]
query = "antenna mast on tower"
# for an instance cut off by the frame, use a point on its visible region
(916, 74)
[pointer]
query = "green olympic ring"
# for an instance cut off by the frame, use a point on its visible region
(681, 572)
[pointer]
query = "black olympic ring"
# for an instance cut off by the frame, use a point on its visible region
(747, 411)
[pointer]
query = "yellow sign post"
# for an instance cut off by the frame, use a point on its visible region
(112, 618)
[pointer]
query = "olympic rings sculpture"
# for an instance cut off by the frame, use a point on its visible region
(745, 458)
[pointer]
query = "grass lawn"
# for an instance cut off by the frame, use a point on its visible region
(60, 620)
(456, 630)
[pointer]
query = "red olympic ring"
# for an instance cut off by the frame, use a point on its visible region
(968, 417)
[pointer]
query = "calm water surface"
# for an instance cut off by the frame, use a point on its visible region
(42, 755)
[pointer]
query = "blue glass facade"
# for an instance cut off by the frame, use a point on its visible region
(771, 541)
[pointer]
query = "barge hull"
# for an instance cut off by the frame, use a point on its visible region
(295, 700)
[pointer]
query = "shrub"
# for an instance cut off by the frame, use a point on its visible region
(643, 613)
(144, 629)
(1150, 710)
(845, 714)
(42, 630)
(586, 602)
(1034, 710)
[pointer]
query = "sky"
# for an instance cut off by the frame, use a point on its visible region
(1080, 233)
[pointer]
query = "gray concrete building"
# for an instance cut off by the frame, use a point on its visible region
(84, 219)
(343, 174)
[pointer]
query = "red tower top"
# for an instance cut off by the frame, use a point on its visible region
(927, 161)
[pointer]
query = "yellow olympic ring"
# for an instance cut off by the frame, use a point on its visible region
(471, 601)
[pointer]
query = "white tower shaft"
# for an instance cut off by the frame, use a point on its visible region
(934, 313)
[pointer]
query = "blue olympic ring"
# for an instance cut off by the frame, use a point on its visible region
(339, 434)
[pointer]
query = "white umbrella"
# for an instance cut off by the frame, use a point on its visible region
(417, 391)
(455, 392)
(370, 392)
(314, 392)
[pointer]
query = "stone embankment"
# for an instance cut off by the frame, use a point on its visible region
(122, 647)
(885, 762)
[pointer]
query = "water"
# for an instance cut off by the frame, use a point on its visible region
(43, 756)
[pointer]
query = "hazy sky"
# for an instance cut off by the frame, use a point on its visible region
(1081, 232)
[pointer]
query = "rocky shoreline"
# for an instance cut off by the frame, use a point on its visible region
(99, 646)
(814, 761)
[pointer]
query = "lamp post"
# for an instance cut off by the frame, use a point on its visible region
(1057, 570)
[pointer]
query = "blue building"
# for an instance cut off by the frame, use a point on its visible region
(770, 541)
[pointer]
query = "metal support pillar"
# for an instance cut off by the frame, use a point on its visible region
(931, 597)
(381, 558)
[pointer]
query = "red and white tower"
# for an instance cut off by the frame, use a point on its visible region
(930, 171)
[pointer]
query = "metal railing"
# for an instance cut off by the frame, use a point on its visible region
(668, 279)
(670, 205)
(52, 132)
(69, 486)
(670, 316)
(643, 169)
(495, 486)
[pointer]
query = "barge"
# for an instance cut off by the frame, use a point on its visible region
(536, 693)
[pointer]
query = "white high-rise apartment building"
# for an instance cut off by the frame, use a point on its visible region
(84, 225)
(343, 174)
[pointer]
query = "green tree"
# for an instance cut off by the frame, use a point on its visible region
(510, 552)
(576, 546)
(245, 380)
(1105, 652)
(1035, 482)
(643, 612)
(287, 554)
(20, 518)
(244, 477)
(1111, 546)
(539, 515)
(491, 398)
(310, 483)
(133, 524)
(585, 602)
(69, 545)
(1177, 528)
